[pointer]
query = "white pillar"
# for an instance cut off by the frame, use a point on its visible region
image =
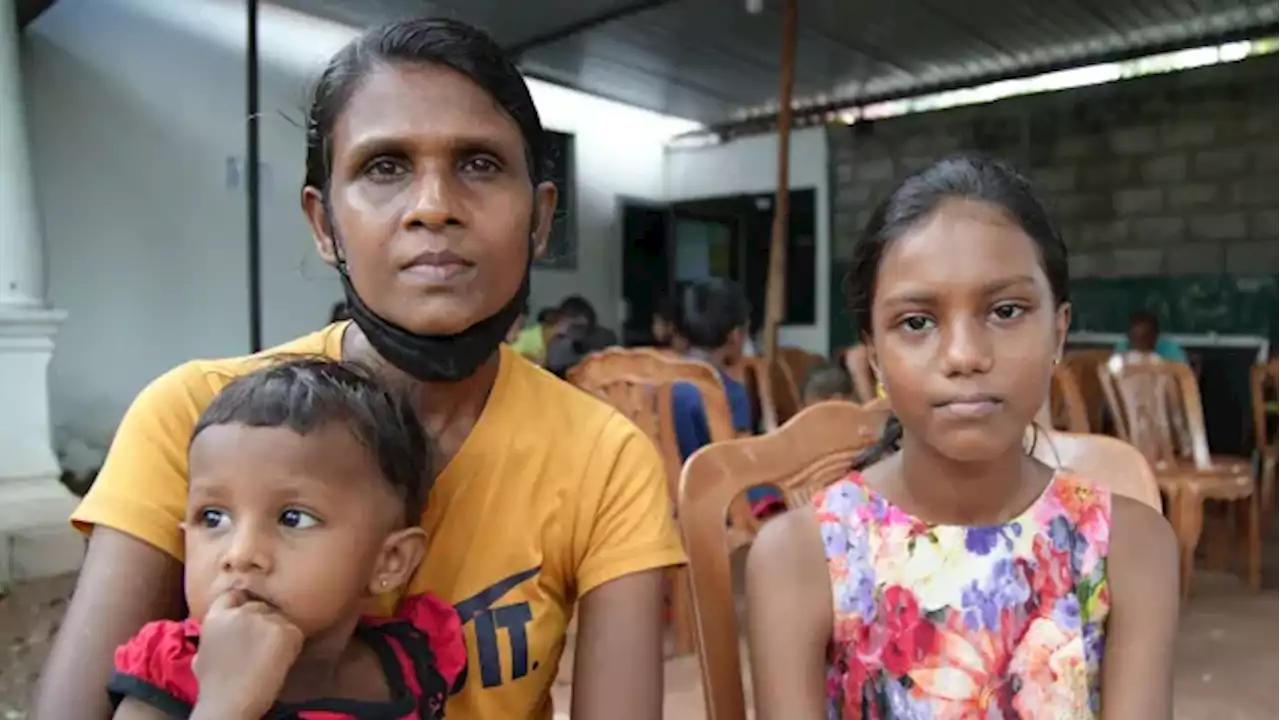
(33, 504)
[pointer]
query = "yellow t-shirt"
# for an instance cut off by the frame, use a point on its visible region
(553, 494)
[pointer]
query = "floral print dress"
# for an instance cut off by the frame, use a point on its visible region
(949, 622)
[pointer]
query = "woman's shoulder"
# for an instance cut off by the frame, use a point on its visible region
(563, 410)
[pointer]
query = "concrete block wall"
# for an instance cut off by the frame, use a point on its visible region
(1162, 175)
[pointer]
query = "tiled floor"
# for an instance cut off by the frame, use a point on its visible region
(1226, 666)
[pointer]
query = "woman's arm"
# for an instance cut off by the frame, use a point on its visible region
(789, 618)
(617, 665)
(1142, 571)
(124, 584)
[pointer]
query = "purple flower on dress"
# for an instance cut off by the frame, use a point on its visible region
(902, 706)
(835, 538)
(857, 593)
(1005, 588)
(982, 540)
(1066, 612)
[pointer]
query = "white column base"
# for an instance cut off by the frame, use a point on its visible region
(35, 539)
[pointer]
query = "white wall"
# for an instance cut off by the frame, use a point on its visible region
(135, 108)
(750, 165)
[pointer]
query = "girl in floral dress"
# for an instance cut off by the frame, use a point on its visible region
(951, 575)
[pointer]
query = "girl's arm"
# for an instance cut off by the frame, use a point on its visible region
(617, 664)
(124, 584)
(789, 618)
(1142, 570)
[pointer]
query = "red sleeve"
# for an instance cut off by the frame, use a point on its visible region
(156, 665)
(443, 628)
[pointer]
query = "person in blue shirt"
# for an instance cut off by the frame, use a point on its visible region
(712, 319)
(1144, 336)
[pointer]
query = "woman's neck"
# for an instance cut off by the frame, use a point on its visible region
(449, 410)
(945, 491)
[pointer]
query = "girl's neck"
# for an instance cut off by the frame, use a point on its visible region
(335, 665)
(945, 491)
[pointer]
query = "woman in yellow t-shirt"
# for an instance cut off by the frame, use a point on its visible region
(424, 189)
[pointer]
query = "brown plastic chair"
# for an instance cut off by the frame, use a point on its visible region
(1067, 409)
(1158, 406)
(1083, 365)
(1102, 460)
(813, 450)
(1263, 383)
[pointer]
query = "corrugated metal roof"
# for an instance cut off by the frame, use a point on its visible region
(712, 61)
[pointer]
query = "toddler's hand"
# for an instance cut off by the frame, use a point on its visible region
(246, 650)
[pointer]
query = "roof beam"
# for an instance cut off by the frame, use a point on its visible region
(565, 32)
(768, 123)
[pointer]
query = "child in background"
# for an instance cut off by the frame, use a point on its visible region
(951, 574)
(307, 482)
(827, 381)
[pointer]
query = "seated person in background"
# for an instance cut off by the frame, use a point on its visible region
(1144, 336)
(531, 342)
(827, 381)
(576, 335)
(662, 326)
(713, 317)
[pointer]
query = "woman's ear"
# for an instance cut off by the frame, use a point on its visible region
(317, 213)
(545, 197)
(398, 560)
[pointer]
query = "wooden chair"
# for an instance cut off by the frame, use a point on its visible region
(859, 367)
(1106, 461)
(759, 382)
(1083, 365)
(817, 447)
(1067, 409)
(1158, 406)
(1263, 383)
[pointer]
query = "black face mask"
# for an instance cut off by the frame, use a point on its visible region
(435, 358)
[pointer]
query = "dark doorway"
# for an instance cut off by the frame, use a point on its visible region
(666, 246)
(646, 267)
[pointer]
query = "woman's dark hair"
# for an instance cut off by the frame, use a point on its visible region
(433, 41)
(306, 394)
(968, 177)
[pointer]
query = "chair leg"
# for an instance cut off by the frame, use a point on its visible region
(1190, 525)
(1253, 549)
(1270, 469)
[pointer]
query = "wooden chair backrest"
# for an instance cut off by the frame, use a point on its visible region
(759, 382)
(814, 449)
(1262, 378)
(1083, 364)
(859, 367)
(1158, 405)
(1106, 461)
(788, 373)
(661, 365)
(1067, 410)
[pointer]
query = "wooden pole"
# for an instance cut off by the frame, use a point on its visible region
(775, 285)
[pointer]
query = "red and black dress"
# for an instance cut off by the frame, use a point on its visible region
(421, 650)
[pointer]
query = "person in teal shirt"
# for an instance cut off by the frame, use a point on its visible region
(1144, 336)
